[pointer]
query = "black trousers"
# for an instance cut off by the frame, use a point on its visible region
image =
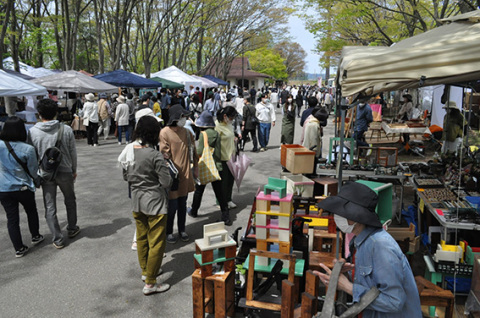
(253, 136)
(197, 196)
(92, 133)
(10, 202)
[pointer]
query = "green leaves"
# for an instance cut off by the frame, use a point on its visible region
(267, 61)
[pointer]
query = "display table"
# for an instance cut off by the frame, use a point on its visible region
(439, 215)
(403, 129)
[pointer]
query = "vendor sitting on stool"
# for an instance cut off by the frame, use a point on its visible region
(378, 260)
(453, 125)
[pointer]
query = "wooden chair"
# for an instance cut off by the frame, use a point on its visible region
(432, 295)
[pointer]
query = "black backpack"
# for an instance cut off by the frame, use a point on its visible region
(48, 165)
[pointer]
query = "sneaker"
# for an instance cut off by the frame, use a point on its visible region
(171, 239)
(189, 212)
(21, 251)
(73, 233)
(262, 149)
(184, 236)
(37, 239)
(95, 145)
(255, 150)
(119, 143)
(155, 289)
(228, 222)
(134, 246)
(231, 205)
(58, 246)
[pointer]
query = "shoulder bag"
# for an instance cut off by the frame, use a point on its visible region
(254, 118)
(207, 170)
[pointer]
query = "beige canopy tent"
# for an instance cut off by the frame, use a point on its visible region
(444, 55)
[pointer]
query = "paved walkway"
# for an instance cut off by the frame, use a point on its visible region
(97, 274)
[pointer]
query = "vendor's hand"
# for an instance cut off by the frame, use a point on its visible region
(343, 283)
(347, 267)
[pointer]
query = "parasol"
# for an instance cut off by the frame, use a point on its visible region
(238, 165)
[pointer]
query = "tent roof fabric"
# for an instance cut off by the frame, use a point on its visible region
(24, 76)
(122, 78)
(443, 55)
(12, 85)
(216, 80)
(206, 83)
(73, 81)
(166, 83)
(173, 73)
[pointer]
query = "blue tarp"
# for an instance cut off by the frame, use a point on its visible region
(123, 78)
(216, 80)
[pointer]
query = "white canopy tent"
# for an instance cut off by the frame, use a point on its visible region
(73, 81)
(447, 54)
(12, 85)
(206, 83)
(27, 69)
(174, 74)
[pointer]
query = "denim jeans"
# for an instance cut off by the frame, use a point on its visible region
(64, 180)
(10, 201)
(174, 205)
(359, 137)
(264, 134)
(121, 129)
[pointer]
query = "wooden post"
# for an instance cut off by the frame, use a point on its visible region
(288, 299)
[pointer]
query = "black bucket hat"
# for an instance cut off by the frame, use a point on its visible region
(355, 202)
(205, 120)
(176, 112)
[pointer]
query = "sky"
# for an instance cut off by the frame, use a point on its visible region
(306, 40)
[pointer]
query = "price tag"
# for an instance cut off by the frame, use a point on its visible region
(420, 190)
(439, 212)
(421, 205)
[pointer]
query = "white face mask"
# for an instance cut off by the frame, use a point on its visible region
(290, 100)
(342, 224)
(181, 122)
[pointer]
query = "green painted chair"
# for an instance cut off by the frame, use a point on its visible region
(275, 184)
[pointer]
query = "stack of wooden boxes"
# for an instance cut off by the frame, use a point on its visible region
(213, 291)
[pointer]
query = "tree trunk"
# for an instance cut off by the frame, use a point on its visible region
(98, 23)
(37, 23)
(5, 25)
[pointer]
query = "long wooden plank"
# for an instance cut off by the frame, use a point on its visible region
(308, 306)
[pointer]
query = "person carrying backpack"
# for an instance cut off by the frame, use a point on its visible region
(45, 136)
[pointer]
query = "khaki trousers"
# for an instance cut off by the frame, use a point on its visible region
(151, 236)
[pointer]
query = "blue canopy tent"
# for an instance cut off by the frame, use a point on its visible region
(123, 78)
(216, 80)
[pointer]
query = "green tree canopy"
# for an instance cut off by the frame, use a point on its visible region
(267, 61)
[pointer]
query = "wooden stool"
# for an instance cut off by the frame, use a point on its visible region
(432, 295)
(213, 294)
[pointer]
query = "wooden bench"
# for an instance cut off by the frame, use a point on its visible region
(275, 184)
(214, 230)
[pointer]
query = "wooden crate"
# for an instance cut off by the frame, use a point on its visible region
(283, 153)
(300, 160)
